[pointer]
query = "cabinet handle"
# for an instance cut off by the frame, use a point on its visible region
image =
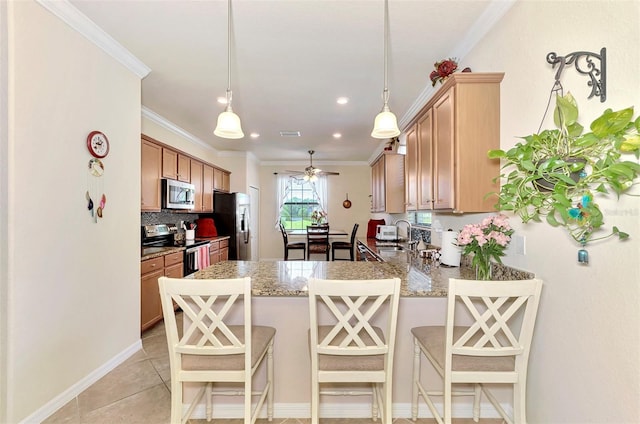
(153, 265)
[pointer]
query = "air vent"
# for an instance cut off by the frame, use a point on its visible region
(289, 133)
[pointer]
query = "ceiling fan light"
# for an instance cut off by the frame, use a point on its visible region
(228, 125)
(385, 124)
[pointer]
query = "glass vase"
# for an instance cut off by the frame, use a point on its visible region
(483, 267)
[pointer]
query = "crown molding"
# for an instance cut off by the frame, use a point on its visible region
(489, 18)
(166, 124)
(70, 15)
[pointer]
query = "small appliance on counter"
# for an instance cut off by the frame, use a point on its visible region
(206, 228)
(163, 235)
(387, 232)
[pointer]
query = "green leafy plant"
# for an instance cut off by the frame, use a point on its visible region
(557, 173)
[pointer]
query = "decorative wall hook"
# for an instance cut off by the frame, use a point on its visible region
(585, 63)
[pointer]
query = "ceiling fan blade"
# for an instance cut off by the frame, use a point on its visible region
(328, 173)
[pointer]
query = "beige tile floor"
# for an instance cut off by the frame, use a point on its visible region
(138, 392)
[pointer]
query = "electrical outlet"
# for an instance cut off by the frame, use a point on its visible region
(520, 244)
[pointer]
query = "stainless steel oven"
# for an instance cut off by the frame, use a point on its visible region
(196, 256)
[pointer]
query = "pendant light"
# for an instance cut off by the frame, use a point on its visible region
(385, 124)
(228, 122)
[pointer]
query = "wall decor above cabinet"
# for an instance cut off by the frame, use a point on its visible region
(447, 167)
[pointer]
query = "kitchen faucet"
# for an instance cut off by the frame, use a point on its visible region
(408, 228)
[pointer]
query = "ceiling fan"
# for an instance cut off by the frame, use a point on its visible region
(311, 173)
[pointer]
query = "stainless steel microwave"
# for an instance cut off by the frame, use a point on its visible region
(178, 195)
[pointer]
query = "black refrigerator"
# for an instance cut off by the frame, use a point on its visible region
(232, 215)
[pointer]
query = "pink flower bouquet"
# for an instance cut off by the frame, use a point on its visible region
(485, 240)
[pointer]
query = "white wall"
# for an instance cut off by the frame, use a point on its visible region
(73, 284)
(584, 365)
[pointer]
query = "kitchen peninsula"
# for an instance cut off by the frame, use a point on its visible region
(280, 300)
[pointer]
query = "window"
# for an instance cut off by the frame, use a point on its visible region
(420, 218)
(298, 200)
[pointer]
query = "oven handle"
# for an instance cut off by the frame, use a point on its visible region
(195, 248)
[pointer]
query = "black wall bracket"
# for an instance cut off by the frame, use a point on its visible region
(585, 63)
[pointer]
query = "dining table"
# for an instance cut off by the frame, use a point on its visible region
(333, 232)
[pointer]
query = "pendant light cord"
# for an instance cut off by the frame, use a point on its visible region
(229, 95)
(385, 92)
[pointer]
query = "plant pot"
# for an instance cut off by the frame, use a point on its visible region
(545, 185)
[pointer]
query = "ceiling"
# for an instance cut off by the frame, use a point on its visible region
(291, 60)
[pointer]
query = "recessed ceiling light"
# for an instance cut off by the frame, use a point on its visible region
(342, 100)
(222, 100)
(254, 135)
(337, 135)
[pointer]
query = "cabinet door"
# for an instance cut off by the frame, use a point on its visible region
(214, 252)
(184, 168)
(174, 271)
(377, 185)
(169, 163)
(217, 179)
(226, 181)
(150, 306)
(443, 181)
(411, 169)
(150, 170)
(207, 188)
(425, 162)
(196, 180)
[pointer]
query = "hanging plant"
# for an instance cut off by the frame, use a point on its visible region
(557, 174)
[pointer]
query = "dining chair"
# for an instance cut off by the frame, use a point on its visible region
(345, 245)
(352, 339)
(486, 340)
(318, 240)
(291, 246)
(214, 348)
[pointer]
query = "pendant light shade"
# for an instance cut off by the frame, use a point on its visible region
(385, 124)
(228, 125)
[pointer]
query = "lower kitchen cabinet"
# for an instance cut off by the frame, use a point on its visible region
(219, 251)
(150, 270)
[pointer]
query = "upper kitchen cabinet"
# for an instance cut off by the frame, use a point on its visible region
(207, 188)
(176, 166)
(387, 184)
(196, 180)
(221, 180)
(452, 135)
(150, 170)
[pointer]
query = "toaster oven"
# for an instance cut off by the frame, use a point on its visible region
(387, 232)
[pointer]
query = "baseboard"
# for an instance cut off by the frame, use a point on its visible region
(63, 398)
(344, 410)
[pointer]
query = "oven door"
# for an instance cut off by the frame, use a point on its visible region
(196, 257)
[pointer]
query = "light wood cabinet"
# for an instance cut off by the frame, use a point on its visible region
(425, 161)
(161, 161)
(207, 188)
(221, 180)
(150, 307)
(387, 183)
(170, 265)
(453, 133)
(411, 169)
(150, 170)
(219, 251)
(196, 180)
(175, 165)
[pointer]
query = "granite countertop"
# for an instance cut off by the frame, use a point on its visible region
(289, 278)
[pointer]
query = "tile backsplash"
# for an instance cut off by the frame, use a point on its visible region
(166, 217)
